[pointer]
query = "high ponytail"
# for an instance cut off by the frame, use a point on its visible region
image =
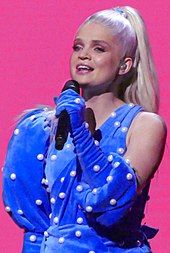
(144, 90)
(140, 85)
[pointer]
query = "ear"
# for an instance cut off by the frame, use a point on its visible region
(125, 66)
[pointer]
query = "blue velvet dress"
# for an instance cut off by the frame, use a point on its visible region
(65, 209)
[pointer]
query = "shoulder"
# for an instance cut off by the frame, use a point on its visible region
(34, 123)
(150, 121)
(36, 116)
(148, 125)
(33, 132)
(37, 112)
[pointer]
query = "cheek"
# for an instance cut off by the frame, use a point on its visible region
(106, 63)
(72, 63)
(107, 67)
(71, 60)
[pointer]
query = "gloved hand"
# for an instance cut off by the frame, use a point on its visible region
(74, 104)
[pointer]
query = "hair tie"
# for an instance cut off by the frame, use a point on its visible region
(120, 11)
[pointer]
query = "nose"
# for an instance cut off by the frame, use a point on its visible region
(84, 54)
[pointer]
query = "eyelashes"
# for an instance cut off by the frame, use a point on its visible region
(100, 49)
(76, 48)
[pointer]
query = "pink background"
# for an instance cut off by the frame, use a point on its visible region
(35, 44)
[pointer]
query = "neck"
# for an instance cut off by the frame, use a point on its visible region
(102, 106)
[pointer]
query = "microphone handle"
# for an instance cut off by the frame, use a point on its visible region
(62, 132)
(64, 119)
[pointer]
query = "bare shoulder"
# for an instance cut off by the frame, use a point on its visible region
(151, 121)
(149, 124)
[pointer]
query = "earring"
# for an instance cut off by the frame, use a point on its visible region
(123, 66)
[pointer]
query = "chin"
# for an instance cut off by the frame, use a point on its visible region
(81, 81)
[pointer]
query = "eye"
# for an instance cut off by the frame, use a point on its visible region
(77, 47)
(99, 49)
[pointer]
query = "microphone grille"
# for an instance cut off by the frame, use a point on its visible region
(72, 84)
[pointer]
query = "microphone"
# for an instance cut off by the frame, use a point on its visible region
(64, 119)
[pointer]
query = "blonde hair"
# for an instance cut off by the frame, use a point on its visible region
(140, 85)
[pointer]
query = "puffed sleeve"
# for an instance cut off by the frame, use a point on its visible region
(108, 186)
(24, 193)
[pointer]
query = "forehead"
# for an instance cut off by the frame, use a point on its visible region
(95, 31)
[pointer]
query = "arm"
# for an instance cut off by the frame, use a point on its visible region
(114, 179)
(146, 142)
(145, 146)
(25, 198)
(108, 185)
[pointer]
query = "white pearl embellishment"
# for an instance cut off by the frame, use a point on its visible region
(96, 168)
(117, 124)
(56, 220)
(120, 150)
(62, 179)
(33, 238)
(62, 195)
(52, 200)
(124, 129)
(109, 179)
(16, 131)
(116, 164)
(13, 176)
(38, 202)
(79, 188)
(113, 114)
(89, 209)
(32, 117)
(113, 202)
(127, 161)
(129, 176)
(53, 157)
(96, 143)
(94, 191)
(61, 240)
(46, 234)
(73, 173)
(20, 211)
(78, 233)
(110, 158)
(77, 100)
(7, 209)
(80, 220)
(86, 125)
(40, 157)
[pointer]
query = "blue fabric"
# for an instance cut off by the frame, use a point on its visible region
(62, 199)
(74, 104)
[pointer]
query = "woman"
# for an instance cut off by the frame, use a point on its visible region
(90, 196)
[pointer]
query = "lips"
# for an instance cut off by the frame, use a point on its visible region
(84, 68)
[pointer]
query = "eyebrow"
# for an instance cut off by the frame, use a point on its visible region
(94, 41)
